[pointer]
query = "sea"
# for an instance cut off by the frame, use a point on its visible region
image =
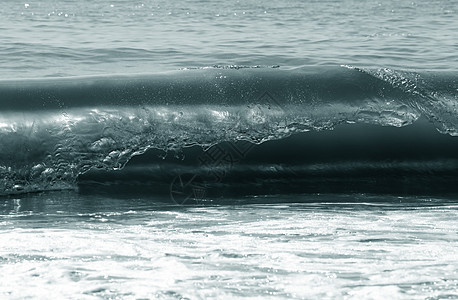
(239, 149)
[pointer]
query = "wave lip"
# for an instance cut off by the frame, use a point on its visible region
(52, 131)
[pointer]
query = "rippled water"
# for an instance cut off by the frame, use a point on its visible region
(56, 38)
(63, 245)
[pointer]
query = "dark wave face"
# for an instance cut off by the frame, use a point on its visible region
(223, 130)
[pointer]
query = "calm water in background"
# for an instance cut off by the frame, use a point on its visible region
(68, 245)
(68, 38)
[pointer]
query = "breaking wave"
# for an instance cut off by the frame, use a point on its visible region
(56, 132)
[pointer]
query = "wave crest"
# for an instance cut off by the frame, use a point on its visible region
(51, 131)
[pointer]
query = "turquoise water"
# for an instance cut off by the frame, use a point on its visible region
(244, 149)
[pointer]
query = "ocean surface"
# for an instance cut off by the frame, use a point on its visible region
(228, 149)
